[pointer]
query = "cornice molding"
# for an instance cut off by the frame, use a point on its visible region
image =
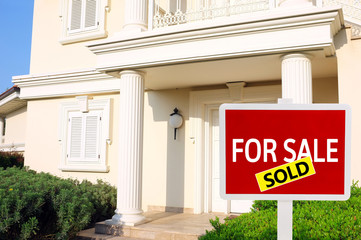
(58, 77)
(86, 81)
(155, 45)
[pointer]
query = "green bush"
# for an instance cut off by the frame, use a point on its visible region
(311, 220)
(10, 159)
(41, 206)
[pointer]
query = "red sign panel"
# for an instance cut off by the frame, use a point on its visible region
(258, 138)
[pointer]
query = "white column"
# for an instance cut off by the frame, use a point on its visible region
(297, 78)
(296, 3)
(129, 195)
(2, 121)
(136, 15)
(296, 86)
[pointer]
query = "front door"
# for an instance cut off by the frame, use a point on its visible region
(217, 203)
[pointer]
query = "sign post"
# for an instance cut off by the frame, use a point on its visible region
(285, 207)
(285, 152)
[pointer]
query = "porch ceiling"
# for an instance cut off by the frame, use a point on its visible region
(250, 69)
(234, 49)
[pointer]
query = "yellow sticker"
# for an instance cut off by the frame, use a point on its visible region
(285, 173)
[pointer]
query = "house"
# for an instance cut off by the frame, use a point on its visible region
(12, 121)
(105, 75)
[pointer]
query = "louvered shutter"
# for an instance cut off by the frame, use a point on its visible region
(83, 15)
(75, 15)
(90, 14)
(83, 136)
(91, 137)
(76, 123)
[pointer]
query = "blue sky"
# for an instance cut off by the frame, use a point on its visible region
(15, 39)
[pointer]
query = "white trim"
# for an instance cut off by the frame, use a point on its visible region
(102, 105)
(197, 107)
(208, 158)
(99, 31)
(86, 81)
(9, 98)
(13, 147)
(87, 168)
(347, 177)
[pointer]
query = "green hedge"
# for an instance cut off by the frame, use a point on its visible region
(10, 159)
(41, 206)
(311, 220)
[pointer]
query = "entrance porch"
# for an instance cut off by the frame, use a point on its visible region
(159, 225)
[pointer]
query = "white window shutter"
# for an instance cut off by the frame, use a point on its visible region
(75, 134)
(75, 20)
(84, 133)
(90, 13)
(91, 137)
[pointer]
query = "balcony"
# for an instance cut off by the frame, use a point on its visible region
(173, 12)
(164, 13)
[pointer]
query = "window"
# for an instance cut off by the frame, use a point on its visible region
(83, 15)
(83, 20)
(84, 130)
(84, 135)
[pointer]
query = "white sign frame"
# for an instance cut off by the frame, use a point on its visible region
(239, 106)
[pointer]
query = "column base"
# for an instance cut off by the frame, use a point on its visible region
(126, 219)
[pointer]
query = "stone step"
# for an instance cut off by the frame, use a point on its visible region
(159, 226)
(140, 232)
(89, 234)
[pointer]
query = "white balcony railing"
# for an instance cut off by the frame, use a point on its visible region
(163, 13)
(174, 12)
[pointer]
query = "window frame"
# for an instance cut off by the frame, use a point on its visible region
(100, 107)
(83, 132)
(85, 33)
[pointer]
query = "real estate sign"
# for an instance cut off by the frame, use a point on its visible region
(285, 151)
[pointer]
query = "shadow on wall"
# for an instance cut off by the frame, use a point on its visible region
(340, 39)
(162, 104)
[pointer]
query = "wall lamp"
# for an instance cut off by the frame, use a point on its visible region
(175, 121)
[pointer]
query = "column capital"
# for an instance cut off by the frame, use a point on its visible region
(132, 72)
(296, 3)
(296, 55)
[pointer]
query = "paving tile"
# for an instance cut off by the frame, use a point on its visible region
(159, 226)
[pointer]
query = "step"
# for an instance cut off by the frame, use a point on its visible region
(159, 225)
(89, 234)
(144, 232)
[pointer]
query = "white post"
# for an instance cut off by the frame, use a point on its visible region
(150, 14)
(135, 15)
(129, 193)
(296, 88)
(284, 220)
(272, 4)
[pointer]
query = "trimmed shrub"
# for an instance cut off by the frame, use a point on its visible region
(41, 206)
(311, 220)
(10, 159)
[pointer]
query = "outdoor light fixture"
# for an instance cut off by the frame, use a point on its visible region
(175, 121)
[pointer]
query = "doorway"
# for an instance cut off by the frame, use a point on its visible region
(215, 202)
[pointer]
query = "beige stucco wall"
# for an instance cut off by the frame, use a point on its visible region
(348, 56)
(168, 165)
(48, 54)
(15, 127)
(325, 90)
(43, 149)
